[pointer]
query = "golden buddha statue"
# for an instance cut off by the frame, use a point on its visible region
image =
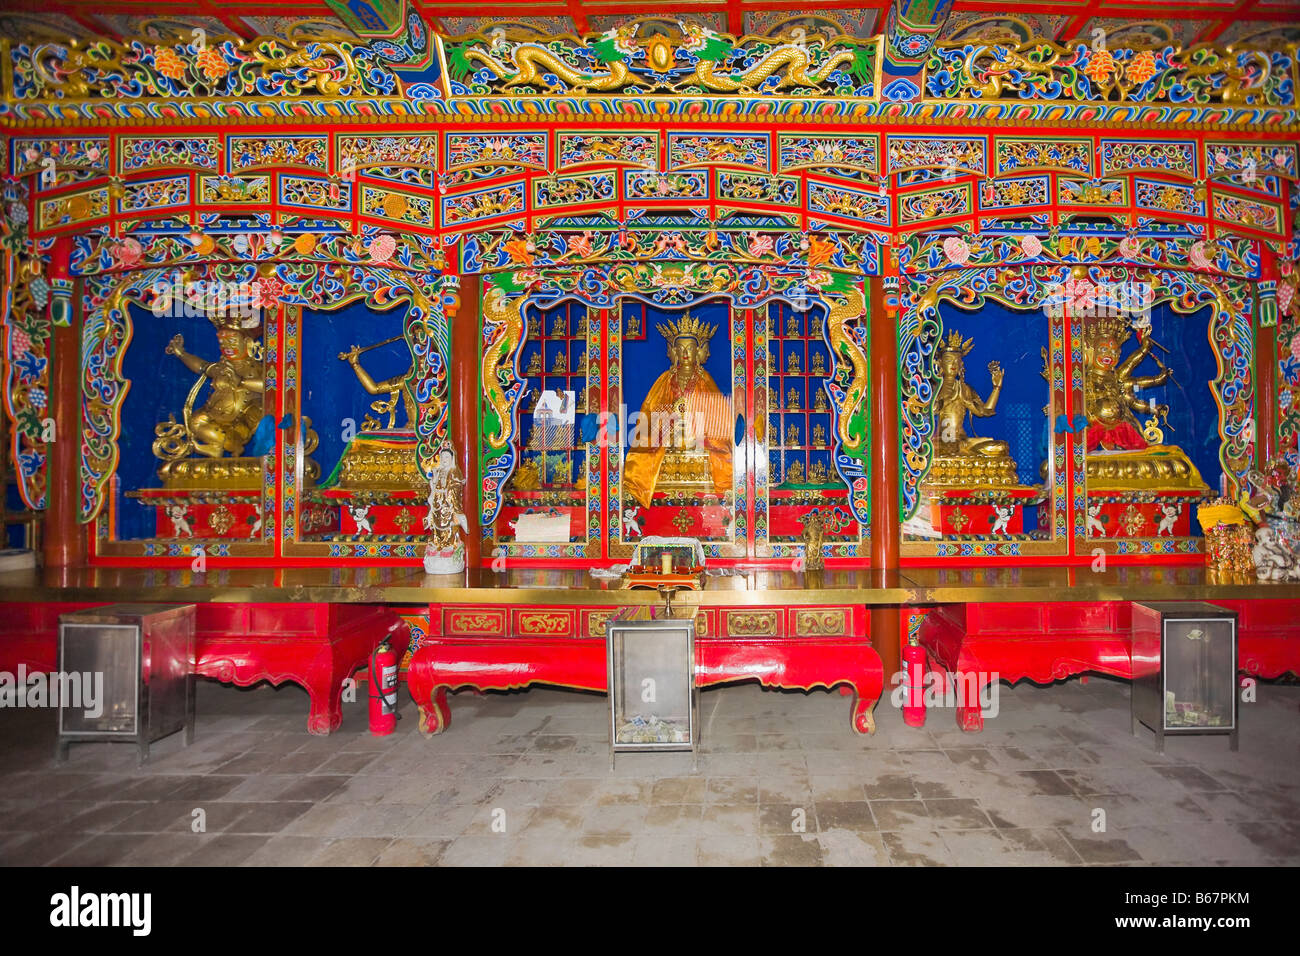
(1122, 454)
(792, 364)
(960, 458)
(818, 365)
(633, 330)
(693, 452)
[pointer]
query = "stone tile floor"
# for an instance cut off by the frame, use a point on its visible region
(525, 779)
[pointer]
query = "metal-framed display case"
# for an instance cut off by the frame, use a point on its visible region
(1184, 669)
(143, 656)
(652, 695)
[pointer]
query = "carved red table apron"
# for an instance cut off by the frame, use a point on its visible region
(508, 648)
(1048, 642)
(317, 646)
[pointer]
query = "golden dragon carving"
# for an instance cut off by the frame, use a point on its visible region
(531, 63)
(842, 344)
(498, 308)
(793, 56)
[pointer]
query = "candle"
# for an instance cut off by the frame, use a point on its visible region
(666, 563)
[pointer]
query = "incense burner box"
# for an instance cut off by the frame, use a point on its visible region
(1184, 669)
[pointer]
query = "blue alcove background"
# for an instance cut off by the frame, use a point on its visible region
(1014, 338)
(330, 390)
(1193, 415)
(158, 386)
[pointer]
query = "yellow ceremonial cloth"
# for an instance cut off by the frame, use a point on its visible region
(1211, 516)
(707, 408)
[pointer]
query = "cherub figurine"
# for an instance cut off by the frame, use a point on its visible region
(180, 524)
(361, 515)
(1004, 513)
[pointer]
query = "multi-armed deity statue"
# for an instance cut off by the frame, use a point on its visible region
(1123, 454)
(684, 443)
(961, 459)
(204, 449)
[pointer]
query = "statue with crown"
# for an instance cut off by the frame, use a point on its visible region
(683, 439)
(972, 483)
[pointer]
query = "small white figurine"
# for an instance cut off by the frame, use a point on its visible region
(1273, 560)
(1166, 526)
(257, 525)
(445, 552)
(361, 515)
(1004, 513)
(180, 526)
(630, 527)
(1094, 521)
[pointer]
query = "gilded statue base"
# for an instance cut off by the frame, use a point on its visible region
(971, 472)
(687, 471)
(1164, 468)
(211, 474)
(375, 462)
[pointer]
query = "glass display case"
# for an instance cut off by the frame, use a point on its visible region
(1184, 669)
(651, 654)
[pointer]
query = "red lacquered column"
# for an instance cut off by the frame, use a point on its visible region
(63, 539)
(464, 388)
(885, 621)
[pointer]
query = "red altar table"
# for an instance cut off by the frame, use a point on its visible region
(1051, 641)
(507, 648)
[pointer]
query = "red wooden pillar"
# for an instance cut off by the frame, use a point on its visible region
(885, 621)
(1265, 395)
(1265, 369)
(64, 540)
(464, 387)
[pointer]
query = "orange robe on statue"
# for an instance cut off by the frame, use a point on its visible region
(706, 407)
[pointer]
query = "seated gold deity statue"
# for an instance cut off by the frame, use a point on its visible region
(1121, 453)
(688, 422)
(960, 458)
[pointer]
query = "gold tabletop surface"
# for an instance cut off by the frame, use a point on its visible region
(411, 586)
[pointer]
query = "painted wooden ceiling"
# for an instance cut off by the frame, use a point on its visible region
(1126, 22)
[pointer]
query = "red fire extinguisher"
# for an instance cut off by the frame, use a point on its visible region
(383, 690)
